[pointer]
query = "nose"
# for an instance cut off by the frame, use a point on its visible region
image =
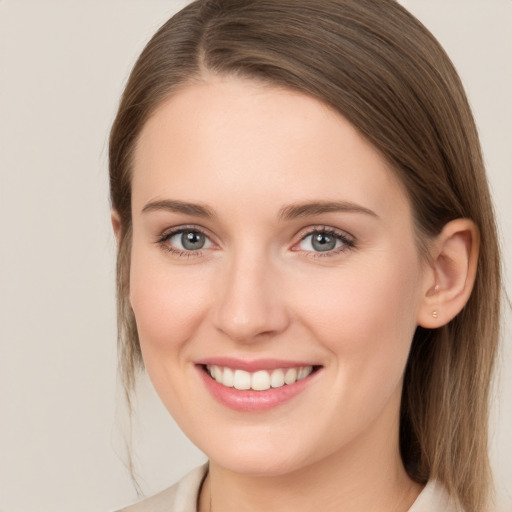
(250, 304)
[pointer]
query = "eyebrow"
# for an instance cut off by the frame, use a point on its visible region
(297, 210)
(292, 211)
(172, 205)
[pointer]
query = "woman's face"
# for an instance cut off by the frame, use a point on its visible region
(271, 242)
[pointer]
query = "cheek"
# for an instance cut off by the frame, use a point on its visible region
(167, 306)
(366, 320)
(366, 316)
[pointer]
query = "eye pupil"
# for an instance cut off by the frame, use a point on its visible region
(323, 242)
(192, 240)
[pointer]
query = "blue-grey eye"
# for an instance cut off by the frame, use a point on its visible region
(189, 240)
(321, 241)
(192, 240)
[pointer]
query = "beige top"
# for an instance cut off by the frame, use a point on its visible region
(182, 497)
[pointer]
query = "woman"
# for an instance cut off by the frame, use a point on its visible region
(308, 266)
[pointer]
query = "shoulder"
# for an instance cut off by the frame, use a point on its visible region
(434, 497)
(181, 497)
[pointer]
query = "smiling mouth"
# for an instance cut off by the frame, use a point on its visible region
(261, 380)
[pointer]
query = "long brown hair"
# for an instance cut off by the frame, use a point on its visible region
(383, 71)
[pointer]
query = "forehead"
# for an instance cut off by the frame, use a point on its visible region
(247, 140)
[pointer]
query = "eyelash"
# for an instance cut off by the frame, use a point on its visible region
(348, 243)
(165, 237)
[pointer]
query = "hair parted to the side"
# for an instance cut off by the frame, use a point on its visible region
(383, 71)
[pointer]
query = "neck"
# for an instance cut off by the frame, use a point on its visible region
(366, 476)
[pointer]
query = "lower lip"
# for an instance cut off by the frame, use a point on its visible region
(250, 400)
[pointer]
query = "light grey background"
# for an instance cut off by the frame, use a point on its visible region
(62, 67)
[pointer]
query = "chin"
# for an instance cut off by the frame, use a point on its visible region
(259, 459)
(256, 465)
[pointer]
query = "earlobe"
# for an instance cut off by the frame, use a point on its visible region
(115, 218)
(454, 256)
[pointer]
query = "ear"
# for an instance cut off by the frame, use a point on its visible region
(115, 218)
(451, 276)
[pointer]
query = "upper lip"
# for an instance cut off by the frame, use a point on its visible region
(252, 365)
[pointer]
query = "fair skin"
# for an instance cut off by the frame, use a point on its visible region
(301, 253)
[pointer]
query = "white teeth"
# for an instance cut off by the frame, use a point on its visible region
(217, 373)
(290, 376)
(242, 380)
(277, 379)
(228, 378)
(260, 380)
(304, 372)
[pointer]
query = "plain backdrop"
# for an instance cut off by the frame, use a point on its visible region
(62, 68)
